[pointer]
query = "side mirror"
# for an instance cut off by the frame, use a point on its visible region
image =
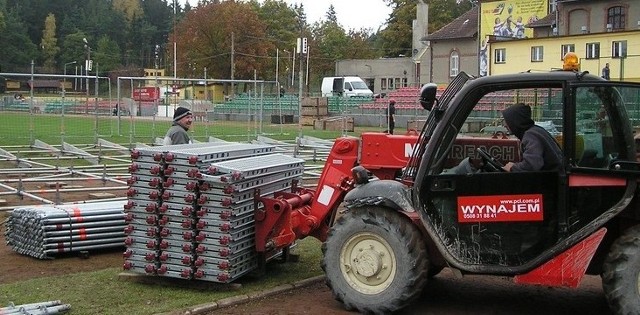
(428, 95)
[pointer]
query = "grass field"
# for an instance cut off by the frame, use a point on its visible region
(17, 128)
(104, 292)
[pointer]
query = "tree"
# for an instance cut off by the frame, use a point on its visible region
(49, 43)
(442, 12)
(107, 55)
(131, 9)
(282, 29)
(331, 16)
(17, 48)
(206, 34)
(159, 18)
(396, 38)
(332, 43)
(73, 48)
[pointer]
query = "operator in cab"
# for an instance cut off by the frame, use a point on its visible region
(539, 150)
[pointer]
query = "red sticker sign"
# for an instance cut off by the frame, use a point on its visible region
(500, 208)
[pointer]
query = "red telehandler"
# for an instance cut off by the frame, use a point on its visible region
(409, 211)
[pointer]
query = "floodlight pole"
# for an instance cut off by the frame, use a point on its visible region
(64, 87)
(86, 66)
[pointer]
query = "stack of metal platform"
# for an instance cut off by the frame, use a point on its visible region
(191, 207)
(46, 230)
(143, 200)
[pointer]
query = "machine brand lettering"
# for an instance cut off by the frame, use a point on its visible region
(502, 208)
(408, 149)
(500, 152)
(460, 151)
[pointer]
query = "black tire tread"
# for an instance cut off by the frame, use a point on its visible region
(407, 233)
(620, 273)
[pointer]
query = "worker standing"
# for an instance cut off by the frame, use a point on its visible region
(606, 71)
(391, 116)
(177, 134)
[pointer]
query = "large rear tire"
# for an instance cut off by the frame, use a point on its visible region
(621, 273)
(375, 261)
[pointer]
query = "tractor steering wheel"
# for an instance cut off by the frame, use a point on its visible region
(490, 163)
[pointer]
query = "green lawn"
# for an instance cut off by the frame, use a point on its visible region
(18, 128)
(104, 292)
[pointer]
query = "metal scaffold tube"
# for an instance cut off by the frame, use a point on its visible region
(50, 307)
(43, 231)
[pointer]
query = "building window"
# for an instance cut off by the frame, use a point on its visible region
(383, 84)
(616, 18)
(390, 82)
(619, 49)
(500, 55)
(405, 82)
(593, 50)
(567, 48)
(537, 53)
(454, 64)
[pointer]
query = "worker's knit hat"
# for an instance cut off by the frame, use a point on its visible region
(180, 113)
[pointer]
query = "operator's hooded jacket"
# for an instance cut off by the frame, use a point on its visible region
(540, 151)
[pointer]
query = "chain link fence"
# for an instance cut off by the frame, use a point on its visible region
(78, 109)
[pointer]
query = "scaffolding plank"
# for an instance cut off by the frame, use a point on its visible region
(38, 144)
(107, 144)
(68, 148)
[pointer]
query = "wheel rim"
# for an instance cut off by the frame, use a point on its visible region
(368, 263)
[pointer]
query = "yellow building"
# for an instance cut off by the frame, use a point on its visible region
(620, 49)
(600, 32)
(213, 92)
(195, 91)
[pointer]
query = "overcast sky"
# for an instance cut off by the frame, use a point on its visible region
(352, 14)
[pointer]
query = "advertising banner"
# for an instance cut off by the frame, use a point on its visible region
(148, 93)
(500, 208)
(507, 20)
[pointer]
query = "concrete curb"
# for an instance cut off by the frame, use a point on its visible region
(245, 298)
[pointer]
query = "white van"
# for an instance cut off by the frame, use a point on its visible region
(345, 86)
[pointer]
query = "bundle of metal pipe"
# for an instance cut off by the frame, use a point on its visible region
(191, 209)
(50, 307)
(43, 231)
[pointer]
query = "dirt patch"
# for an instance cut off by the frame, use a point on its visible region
(446, 294)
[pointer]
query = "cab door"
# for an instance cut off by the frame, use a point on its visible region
(604, 153)
(494, 219)
(509, 222)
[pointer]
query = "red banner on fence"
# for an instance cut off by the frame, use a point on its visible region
(148, 93)
(500, 208)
